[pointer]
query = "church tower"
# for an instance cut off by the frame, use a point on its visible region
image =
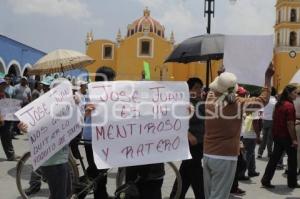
(287, 41)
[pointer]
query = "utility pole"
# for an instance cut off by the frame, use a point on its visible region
(209, 10)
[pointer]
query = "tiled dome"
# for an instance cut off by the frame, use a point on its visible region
(146, 24)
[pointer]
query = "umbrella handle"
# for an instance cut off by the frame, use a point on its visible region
(62, 70)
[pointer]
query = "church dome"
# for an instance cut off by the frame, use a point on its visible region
(146, 24)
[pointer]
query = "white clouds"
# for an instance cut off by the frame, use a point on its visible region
(241, 17)
(74, 9)
(246, 17)
(175, 16)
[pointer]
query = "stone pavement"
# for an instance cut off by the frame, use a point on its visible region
(8, 188)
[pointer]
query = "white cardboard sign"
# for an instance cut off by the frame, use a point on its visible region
(248, 57)
(140, 122)
(8, 107)
(52, 121)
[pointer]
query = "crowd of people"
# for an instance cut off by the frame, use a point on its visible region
(222, 145)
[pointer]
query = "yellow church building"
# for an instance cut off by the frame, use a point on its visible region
(287, 41)
(145, 40)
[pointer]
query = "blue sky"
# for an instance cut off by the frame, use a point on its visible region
(52, 24)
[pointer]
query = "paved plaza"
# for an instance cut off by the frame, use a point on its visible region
(254, 191)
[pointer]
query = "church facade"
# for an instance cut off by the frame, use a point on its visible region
(287, 41)
(145, 40)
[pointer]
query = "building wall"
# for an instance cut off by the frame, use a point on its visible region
(16, 54)
(127, 62)
(286, 67)
(285, 64)
(95, 50)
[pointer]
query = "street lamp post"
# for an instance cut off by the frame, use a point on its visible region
(209, 9)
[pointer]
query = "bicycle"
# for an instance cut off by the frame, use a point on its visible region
(87, 185)
(81, 184)
(24, 171)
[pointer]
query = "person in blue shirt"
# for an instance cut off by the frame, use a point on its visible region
(103, 74)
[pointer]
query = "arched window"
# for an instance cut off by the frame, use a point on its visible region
(278, 39)
(293, 39)
(25, 72)
(293, 15)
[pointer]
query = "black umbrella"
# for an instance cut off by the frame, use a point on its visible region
(200, 48)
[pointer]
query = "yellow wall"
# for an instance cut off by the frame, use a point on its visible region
(285, 67)
(94, 50)
(196, 69)
(130, 65)
(127, 63)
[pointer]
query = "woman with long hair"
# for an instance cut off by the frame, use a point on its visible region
(284, 136)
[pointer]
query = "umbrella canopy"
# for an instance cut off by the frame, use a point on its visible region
(199, 48)
(59, 61)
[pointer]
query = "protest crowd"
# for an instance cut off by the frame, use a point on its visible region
(227, 123)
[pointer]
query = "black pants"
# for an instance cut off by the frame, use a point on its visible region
(100, 189)
(6, 140)
(59, 181)
(191, 172)
(240, 170)
(148, 186)
(150, 189)
(281, 145)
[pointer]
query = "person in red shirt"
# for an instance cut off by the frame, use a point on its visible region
(284, 136)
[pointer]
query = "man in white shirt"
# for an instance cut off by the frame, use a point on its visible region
(23, 92)
(267, 139)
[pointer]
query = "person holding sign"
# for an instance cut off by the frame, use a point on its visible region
(5, 135)
(103, 74)
(56, 169)
(191, 170)
(223, 112)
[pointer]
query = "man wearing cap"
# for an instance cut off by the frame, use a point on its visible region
(223, 122)
(23, 92)
(6, 138)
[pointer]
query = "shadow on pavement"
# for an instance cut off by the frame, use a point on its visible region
(12, 172)
(2, 160)
(42, 193)
(280, 190)
(292, 198)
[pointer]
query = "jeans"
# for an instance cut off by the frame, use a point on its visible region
(250, 144)
(267, 138)
(281, 145)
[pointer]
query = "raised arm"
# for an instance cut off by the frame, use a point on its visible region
(262, 100)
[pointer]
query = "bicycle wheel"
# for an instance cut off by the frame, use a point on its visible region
(171, 175)
(24, 171)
